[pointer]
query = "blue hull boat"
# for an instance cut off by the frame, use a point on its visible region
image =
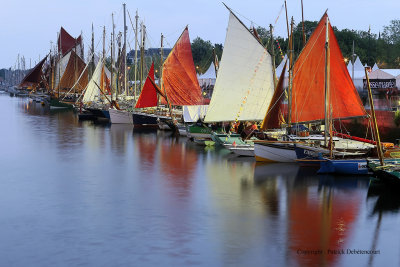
(344, 166)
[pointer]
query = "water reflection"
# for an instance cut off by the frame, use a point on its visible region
(147, 197)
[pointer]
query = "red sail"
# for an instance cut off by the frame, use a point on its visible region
(272, 118)
(179, 75)
(66, 42)
(34, 77)
(148, 96)
(72, 73)
(308, 93)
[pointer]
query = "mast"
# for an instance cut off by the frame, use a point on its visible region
(125, 49)
(287, 20)
(59, 67)
(75, 67)
(353, 61)
(290, 74)
(302, 19)
(376, 131)
(51, 82)
(142, 54)
(92, 59)
(103, 58)
(136, 44)
(161, 64)
(327, 92)
(104, 42)
(119, 83)
(112, 55)
(273, 55)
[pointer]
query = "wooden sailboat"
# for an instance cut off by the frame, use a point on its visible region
(71, 76)
(97, 93)
(148, 98)
(244, 84)
(35, 78)
(322, 90)
(179, 85)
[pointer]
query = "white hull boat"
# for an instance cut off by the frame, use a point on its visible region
(275, 151)
(120, 116)
(241, 150)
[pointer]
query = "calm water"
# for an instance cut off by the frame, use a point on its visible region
(80, 194)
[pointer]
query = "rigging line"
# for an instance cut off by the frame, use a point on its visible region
(249, 20)
(172, 33)
(276, 102)
(279, 14)
(206, 63)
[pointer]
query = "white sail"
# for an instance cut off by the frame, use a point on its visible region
(92, 91)
(60, 68)
(244, 85)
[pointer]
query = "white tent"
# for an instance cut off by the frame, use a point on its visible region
(209, 77)
(359, 73)
(375, 67)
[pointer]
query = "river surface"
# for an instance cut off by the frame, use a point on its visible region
(79, 194)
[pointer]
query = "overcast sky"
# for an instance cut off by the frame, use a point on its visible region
(29, 26)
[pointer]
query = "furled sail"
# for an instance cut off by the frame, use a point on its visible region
(148, 96)
(72, 73)
(121, 71)
(34, 77)
(244, 85)
(308, 92)
(179, 75)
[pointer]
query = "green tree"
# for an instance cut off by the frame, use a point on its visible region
(202, 54)
(391, 33)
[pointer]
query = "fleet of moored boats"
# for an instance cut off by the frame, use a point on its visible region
(320, 95)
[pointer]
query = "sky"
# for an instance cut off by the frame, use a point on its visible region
(28, 27)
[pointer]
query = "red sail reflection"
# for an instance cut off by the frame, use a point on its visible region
(147, 148)
(321, 221)
(178, 164)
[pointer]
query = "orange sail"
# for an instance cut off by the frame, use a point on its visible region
(72, 73)
(179, 75)
(308, 92)
(105, 84)
(275, 109)
(148, 96)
